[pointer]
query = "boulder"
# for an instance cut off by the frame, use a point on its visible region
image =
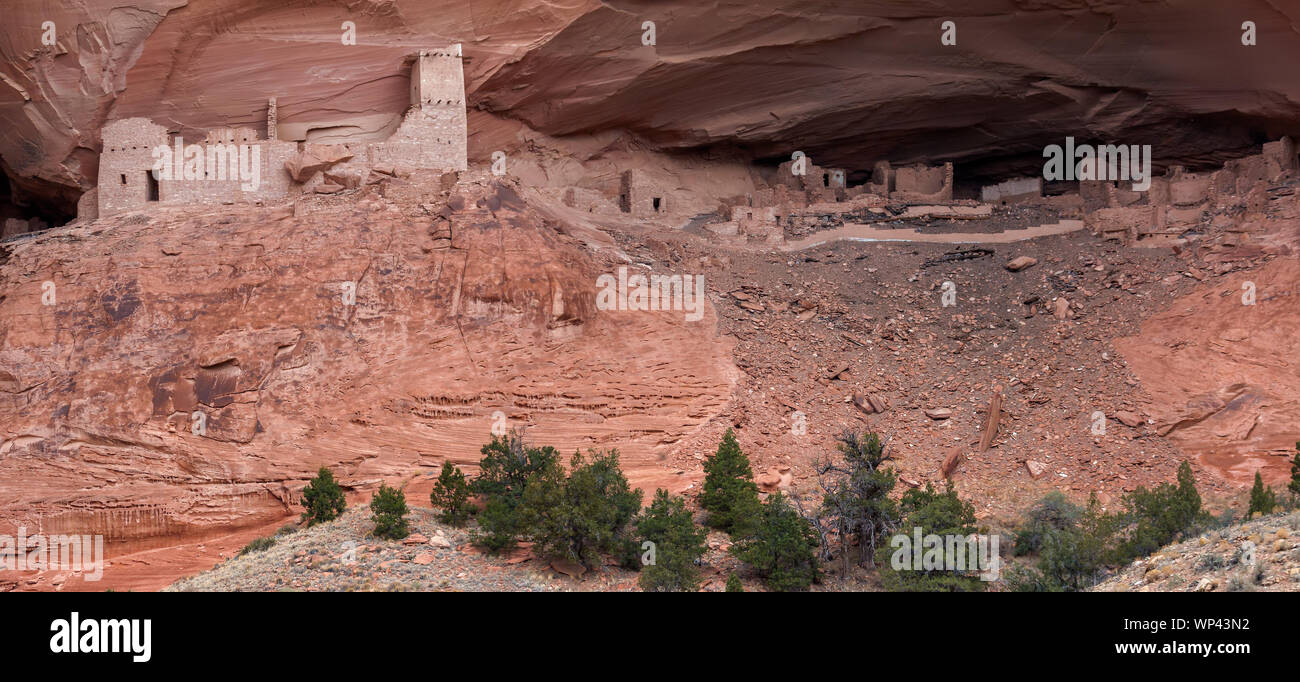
(1020, 263)
(1129, 419)
(315, 158)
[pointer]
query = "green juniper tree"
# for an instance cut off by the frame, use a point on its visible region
(507, 465)
(1051, 514)
(729, 494)
(581, 517)
(677, 545)
(451, 495)
(782, 547)
(926, 512)
(322, 499)
(1154, 518)
(388, 509)
(1072, 545)
(1262, 499)
(855, 495)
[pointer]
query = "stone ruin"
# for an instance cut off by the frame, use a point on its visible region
(1181, 200)
(1013, 190)
(640, 195)
(797, 205)
(919, 184)
(802, 203)
(431, 136)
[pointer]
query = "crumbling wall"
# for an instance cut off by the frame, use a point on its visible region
(922, 184)
(882, 179)
(640, 195)
(125, 164)
(433, 133)
(1124, 224)
(589, 200)
(1014, 189)
(273, 180)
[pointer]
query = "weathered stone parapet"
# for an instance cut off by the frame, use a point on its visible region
(922, 184)
(1015, 189)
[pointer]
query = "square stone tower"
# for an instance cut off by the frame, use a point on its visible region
(433, 132)
(437, 77)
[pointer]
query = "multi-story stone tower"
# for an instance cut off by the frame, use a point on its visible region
(432, 135)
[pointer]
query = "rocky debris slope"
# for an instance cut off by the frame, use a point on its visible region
(195, 367)
(820, 333)
(1261, 555)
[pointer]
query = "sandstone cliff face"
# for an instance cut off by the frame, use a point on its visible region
(467, 307)
(848, 83)
(1222, 372)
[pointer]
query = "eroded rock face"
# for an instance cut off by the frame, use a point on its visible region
(197, 366)
(1221, 373)
(850, 84)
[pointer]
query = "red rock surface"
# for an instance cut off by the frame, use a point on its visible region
(239, 314)
(1223, 376)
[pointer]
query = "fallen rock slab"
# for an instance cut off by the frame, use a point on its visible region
(1020, 263)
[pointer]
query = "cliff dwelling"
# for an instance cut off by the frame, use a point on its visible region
(1046, 269)
(431, 136)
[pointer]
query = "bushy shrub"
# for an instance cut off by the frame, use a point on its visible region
(934, 513)
(1262, 499)
(451, 495)
(729, 494)
(581, 517)
(507, 465)
(734, 584)
(1054, 512)
(258, 545)
(1072, 556)
(388, 509)
(678, 545)
(1154, 518)
(322, 499)
(782, 547)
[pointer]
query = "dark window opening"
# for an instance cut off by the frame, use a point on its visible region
(656, 204)
(826, 179)
(124, 178)
(152, 183)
